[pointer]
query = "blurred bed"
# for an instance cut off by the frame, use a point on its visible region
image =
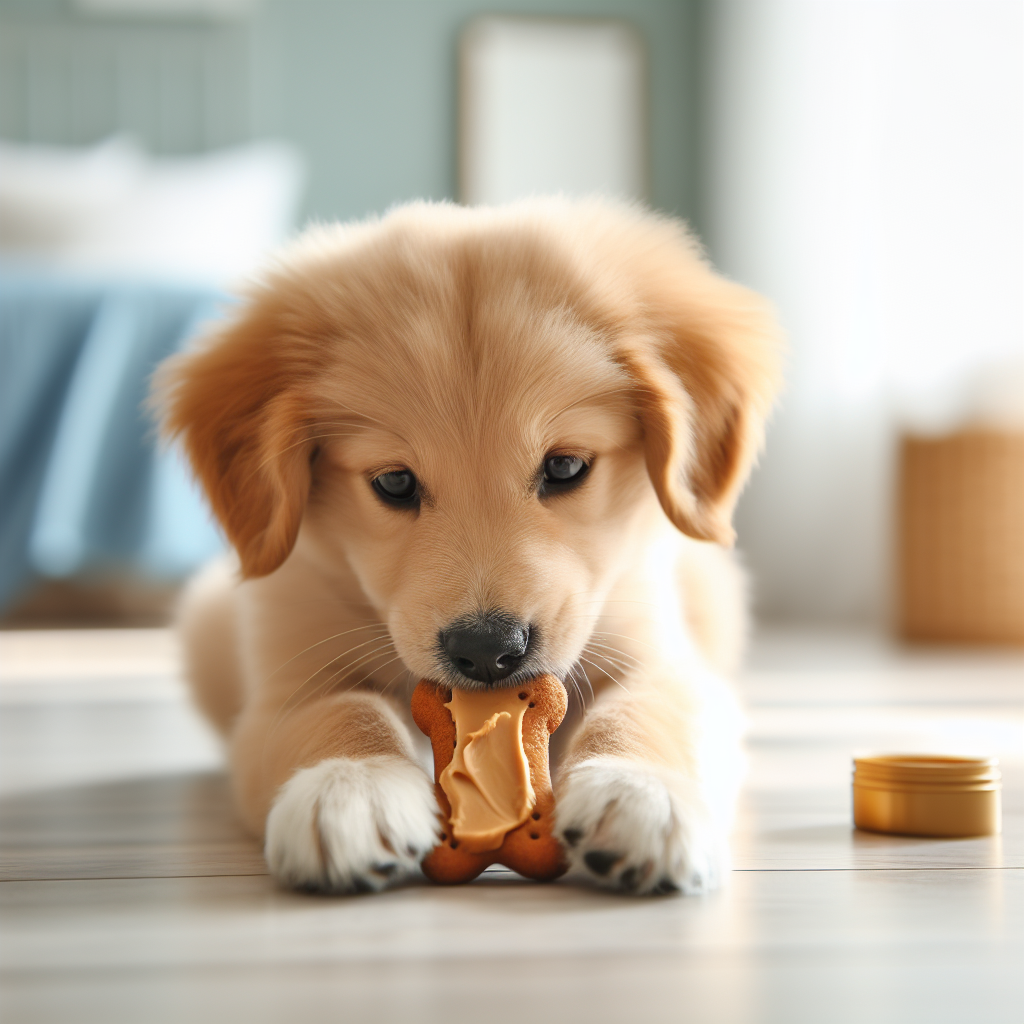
(110, 260)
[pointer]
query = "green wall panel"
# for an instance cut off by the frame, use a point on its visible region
(368, 90)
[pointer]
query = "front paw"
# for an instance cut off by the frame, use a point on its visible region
(349, 825)
(638, 830)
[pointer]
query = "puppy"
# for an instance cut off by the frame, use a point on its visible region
(474, 445)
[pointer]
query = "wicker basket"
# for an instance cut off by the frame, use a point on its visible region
(961, 537)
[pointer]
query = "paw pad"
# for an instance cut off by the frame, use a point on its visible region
(638, 831)
(601, 862)
(630, 878)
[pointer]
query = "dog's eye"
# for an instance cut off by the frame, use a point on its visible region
(398, 488)
(560, 468)
(562, 472)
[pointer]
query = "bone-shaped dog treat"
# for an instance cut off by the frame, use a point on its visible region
(491, 777)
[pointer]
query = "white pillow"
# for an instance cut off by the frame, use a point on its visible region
(51, 195)
(113, 210)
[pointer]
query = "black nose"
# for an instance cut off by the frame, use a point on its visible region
(486, 647)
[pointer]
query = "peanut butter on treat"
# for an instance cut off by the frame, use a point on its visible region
(492, 780)
(488, 780)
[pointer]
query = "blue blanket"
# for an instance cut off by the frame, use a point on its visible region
(84, 488)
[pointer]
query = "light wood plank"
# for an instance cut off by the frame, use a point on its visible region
(780, 946)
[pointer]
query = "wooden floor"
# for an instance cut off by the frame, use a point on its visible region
(128, 892)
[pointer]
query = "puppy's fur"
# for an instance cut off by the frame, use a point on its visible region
(468, 346)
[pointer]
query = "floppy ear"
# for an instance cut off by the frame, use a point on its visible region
(706, 376)
(236, 403)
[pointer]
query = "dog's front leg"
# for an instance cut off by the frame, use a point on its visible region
(335, 785)
(639, 807)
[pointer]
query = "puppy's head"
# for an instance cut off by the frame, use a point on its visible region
(478, 413)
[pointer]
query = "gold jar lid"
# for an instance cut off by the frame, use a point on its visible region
(927, 795)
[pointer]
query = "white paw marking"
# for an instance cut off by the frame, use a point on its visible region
(351, 825)
(639, 830)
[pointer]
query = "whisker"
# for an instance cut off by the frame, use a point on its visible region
(284, 713)
(590, 686)
(306, 650)
(606, 645)
(349, 668)
(575, 691)
(616, 666)
(291, 704)
(622, 636)
(579, 689)
(384, 688)
(586, 679)
(625, 689)
(373, 640)
(637, 663)
(376, 668)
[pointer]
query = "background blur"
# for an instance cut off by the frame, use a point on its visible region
(859, 161)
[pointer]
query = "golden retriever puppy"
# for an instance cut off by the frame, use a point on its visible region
(474, 445)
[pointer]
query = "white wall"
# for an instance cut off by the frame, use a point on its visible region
(864, 162)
